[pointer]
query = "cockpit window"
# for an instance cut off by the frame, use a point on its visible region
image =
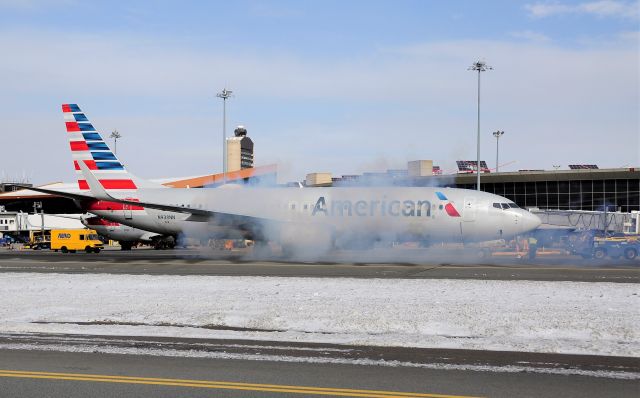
(505, 206)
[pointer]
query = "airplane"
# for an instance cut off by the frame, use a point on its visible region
(126, 236)
(310, 218)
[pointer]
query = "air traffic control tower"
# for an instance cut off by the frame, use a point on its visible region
(239, 150)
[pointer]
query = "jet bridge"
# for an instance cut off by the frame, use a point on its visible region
(583, 220)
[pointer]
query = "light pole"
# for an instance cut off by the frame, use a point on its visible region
(497, 134)
(224, 95)
(115, 135)
(479, 66)
(36, 206)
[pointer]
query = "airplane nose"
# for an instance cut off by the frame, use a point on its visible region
(530, 221)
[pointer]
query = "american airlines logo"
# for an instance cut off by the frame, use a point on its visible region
(449, 208)
(364, 208)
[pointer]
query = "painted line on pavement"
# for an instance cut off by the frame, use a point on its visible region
(218, 385)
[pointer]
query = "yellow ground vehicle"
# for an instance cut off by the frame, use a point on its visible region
(71, 240)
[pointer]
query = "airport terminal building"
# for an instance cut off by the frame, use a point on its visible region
(562, 189)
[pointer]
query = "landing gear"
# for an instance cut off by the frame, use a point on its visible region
(165, 243)
(125, 245)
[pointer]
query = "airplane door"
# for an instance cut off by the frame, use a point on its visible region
(128, 214)
(469, 210)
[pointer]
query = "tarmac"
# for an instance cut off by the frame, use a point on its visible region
(381, 263)
(52, 365)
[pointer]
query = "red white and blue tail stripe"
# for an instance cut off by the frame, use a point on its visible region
(88, 146)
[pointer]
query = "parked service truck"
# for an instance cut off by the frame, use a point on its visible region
(591, 244)
(616, 247)
(72, 240)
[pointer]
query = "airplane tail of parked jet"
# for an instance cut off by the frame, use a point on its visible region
(88, 147)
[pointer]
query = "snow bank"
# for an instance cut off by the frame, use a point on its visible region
(562, 317)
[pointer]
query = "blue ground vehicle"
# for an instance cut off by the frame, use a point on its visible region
(615, 248)
(593, 244)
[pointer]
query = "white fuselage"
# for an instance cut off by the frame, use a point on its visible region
(380, 212)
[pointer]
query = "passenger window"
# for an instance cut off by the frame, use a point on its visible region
(505, 206)
(497, 205)
(81, 237)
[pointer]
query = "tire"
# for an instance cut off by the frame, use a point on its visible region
(630, 254)
(96, 250)
(599, 254)
(64, 249)
(88, 249)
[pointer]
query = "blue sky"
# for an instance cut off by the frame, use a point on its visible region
(338, 86)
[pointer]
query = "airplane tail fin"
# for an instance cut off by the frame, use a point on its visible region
(88, 147)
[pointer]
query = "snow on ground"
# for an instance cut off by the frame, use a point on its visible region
(563, 317)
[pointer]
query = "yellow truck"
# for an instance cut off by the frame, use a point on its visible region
(71, 240)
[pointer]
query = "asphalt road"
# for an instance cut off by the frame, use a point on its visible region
(36, 373)
(380, 263)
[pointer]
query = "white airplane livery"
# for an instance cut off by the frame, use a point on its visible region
(292, 216)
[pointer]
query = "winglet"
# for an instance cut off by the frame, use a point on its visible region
(94, 185)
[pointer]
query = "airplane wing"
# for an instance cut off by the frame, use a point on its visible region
(70, 195)
(106, 197)
(244, 222)
(247, 222)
